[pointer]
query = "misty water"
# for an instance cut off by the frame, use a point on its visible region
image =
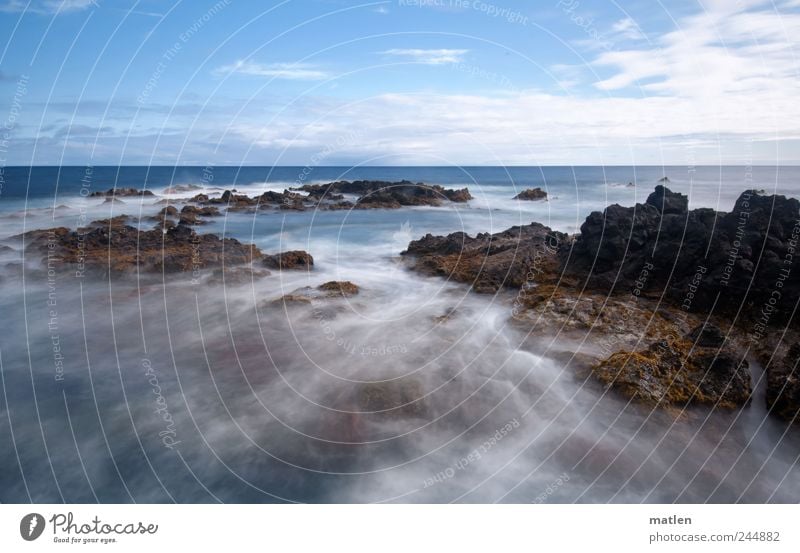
(181, 388)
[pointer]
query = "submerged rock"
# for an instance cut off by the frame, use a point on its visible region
(295, 259)
(336, 288)
(531, 194)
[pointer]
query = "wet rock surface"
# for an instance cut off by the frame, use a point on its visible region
(531, 194)
(489, 262)
(783, 385)
(114, 247)
(291, 260)
(673, 264)
(678, 372)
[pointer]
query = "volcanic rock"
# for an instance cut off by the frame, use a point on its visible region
(531, 194)
(783, 386)
(295, 259)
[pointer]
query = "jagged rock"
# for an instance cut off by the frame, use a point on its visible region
(745, 258)
(296, 259)
(388, 195)
(707, 335)
(532, 194)
(121, 192)
(104, 249)
(667, 201)
(488, 262)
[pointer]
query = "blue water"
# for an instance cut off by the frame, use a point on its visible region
(264, 400)
(34, 182)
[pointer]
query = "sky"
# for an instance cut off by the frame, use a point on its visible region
(399, 82)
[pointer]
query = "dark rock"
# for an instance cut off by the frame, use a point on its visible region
(707, 335)
(531, 194)
(488, 262)
(387, 195)
(121, 192)
(296, 259)
(667, 201)
(783, 386)
(103, 248)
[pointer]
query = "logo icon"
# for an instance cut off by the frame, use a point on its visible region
(31, 526)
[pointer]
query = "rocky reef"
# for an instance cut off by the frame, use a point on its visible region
(636, 278)
(121, 192)
(114, 247)
(332, 196)
(488, 261)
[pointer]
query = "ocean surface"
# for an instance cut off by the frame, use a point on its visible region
(146, 389)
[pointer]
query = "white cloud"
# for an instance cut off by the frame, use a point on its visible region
(292, 71)
(726, 50)
(627, 28)
(429, 56)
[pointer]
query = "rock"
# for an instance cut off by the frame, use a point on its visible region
(783, 386)
(742, 258)
(118, 248)
(677, 372)
(663, 179)
(121, 192)
(387, 195)
(336, 288)
(667, 201)
(707, 335)
(296, 259)
(531, 194)
(489, 262)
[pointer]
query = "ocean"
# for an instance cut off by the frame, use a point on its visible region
(152, 389)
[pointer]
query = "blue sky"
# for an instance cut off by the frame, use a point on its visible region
(433, 82)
